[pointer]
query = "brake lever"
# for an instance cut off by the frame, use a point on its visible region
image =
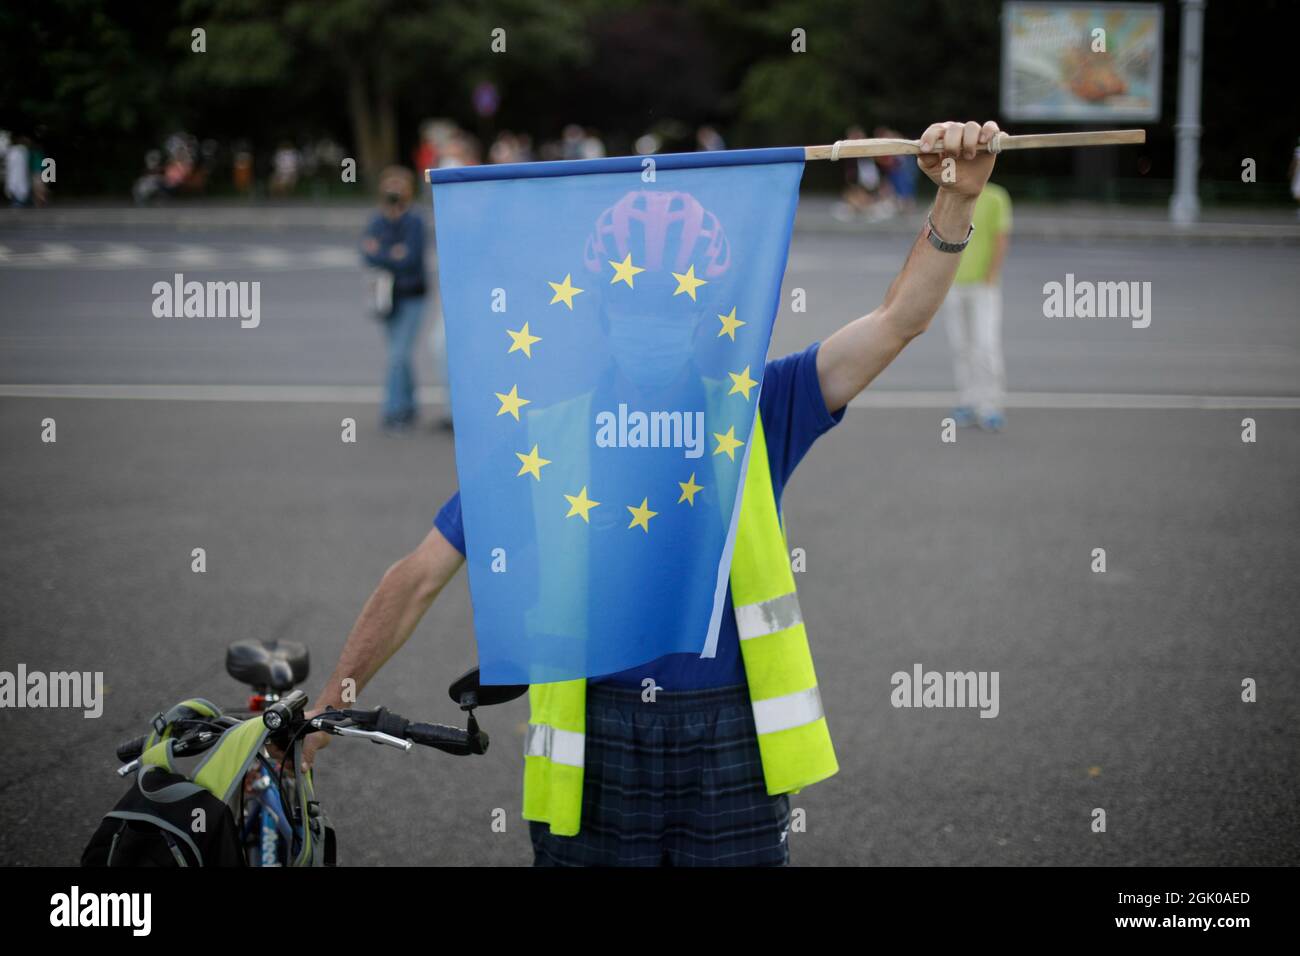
(183, 747)
(375, 736)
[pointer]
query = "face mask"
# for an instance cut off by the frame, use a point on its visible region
(651, 353)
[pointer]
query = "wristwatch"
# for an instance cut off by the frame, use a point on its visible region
(942, 244)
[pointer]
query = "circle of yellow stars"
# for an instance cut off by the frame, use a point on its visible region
(522, 340)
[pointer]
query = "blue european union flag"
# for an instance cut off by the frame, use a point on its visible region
(607, 327)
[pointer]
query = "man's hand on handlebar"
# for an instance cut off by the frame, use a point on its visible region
(310, 744)
(314, 742)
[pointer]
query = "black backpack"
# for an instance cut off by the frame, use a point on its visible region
(170, 819)
(154, 825)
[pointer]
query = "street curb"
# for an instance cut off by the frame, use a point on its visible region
(1068, 225)
(1059, 225)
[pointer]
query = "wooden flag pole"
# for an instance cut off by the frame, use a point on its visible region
(855, 148)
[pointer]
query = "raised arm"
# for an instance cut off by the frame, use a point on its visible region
(388, 619)
(850, 359)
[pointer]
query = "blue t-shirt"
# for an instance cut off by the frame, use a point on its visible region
(794, 416)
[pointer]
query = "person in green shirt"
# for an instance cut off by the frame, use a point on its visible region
(973, 315)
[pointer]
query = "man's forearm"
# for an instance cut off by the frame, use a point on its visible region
(919, 290)
(851, 358)
(389, 617)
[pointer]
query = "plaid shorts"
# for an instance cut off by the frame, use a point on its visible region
(677, 782)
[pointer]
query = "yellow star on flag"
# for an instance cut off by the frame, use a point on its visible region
(689, 488)
(624, 271)
(642, 515)
(581, 505)
(564, 291)
(727, 443)
(741, 383)
(522, 341)
(532, 464)
(729, 324)
(511, 402)
(688, 283)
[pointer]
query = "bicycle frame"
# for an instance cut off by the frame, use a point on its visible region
(266, 832)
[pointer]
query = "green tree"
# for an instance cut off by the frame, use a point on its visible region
(380, 49)
(88, 79)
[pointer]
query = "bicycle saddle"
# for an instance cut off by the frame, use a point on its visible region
(278, 665)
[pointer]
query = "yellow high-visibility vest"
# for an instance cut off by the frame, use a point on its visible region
(793, 739)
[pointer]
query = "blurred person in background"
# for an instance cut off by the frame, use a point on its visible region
(149, 184)
(425, 156)
(35, 162)
(1295, 177)
(900, 172)
(708, 139)
(504, 149)
(18, 176)
(460, 149)
(179, 164)
(571, 142)
(550, 150)
(648, 143)
(284, 170)
(579, 143)
(241, 169)
(394, 241)
(863, 196)
(524, 148)
(973, 315)
(322, 159)
(593, 147)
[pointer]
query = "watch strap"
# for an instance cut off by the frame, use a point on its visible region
(942, 244)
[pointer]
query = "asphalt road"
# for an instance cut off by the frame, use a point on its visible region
(77, 310)
(1119, 690)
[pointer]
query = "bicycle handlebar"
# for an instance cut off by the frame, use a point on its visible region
(186, 745)
(381, 723)
(450, 739)
(284, 718)
(130, 750)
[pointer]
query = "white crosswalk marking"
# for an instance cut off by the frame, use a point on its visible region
(58, 252)
(194, 256)
(124, 254)
(267, 257)
(169, 257)
(333, 256)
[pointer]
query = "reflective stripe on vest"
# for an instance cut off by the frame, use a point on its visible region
(768, 617)
(793, 740)
(783, 713)
(558, 746)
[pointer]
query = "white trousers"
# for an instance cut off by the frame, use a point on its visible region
(973, 315)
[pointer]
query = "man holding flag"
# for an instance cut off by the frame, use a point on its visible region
(621, 473)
